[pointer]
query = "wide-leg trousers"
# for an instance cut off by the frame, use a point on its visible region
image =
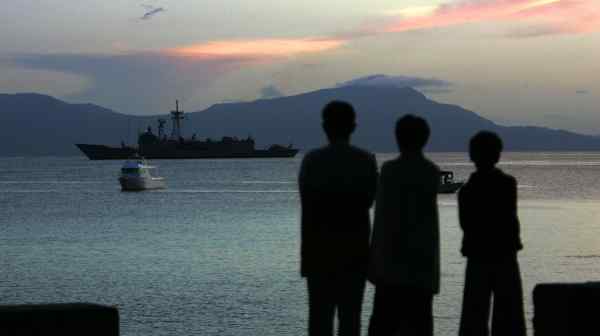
(499, 278)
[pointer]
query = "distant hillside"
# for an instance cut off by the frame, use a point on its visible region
(297, 119)
(34, 124)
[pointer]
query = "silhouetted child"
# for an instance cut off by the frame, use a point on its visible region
(488, 217)
(405, 258)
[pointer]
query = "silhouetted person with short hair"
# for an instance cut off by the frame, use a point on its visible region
(488, 217)
(405, 260)
(337, 187)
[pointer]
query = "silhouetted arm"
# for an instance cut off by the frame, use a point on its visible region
(302, 177)
(513, 198)
(304, 208)
(377, 234)
(463, 211)
(373, 181)
(513, 210)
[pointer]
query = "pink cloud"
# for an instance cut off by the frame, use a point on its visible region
(565, 16)
(557, 16)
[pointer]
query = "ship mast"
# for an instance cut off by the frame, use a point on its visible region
(176, 116)
(161, 128)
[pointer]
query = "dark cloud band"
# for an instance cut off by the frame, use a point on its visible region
(139, 83)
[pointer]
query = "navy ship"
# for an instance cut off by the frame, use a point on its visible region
(175, 146)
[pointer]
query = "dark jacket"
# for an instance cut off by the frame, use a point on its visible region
(487, 206)
(405, 249)
(337, 187)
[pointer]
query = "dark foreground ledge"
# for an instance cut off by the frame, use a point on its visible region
(560, 309)
(68, 319)
(566, 309)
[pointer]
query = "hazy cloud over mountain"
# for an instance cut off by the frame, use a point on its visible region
(425, 84)
(270, 91)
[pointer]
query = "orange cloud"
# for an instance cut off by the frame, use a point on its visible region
(536, 17)
(564, 16)
(260, 48)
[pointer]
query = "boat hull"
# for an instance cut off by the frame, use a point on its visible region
(140, 183)
(102, 152)
(449, 188)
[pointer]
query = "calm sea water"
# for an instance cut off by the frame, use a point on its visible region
(217, 252)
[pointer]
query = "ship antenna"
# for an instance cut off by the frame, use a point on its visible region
(129, 129)
(161, 128)
(176, 116)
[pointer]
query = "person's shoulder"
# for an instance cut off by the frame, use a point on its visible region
(361, 153)
(432, 166)
(310, 159)
(507, 179)
(430, 169)
(470, 182)
(313, 154)
(395, 168)
(504, 177)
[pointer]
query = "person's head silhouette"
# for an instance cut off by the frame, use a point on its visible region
(412, 134)
(484, 149)
(339, 121)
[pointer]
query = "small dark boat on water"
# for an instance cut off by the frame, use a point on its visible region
(161, 146)
(447, 184)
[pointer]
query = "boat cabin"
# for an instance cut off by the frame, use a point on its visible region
(446, 177)
(135, 168)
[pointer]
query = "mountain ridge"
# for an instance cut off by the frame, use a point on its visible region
(37, 124)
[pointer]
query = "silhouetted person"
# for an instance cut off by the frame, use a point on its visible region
(337, 187)
(488, 217)
(405, 261)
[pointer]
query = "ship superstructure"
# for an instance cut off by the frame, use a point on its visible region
(175, 146)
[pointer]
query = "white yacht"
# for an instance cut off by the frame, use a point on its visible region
(135, 176)
(447, 183)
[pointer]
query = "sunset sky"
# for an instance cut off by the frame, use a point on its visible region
(514, 61)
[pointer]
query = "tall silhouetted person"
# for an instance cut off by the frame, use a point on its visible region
(488, 217)
(337, 187)
(405, 260)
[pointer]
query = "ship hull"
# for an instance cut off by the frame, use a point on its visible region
(140, 183)
(102, 152)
